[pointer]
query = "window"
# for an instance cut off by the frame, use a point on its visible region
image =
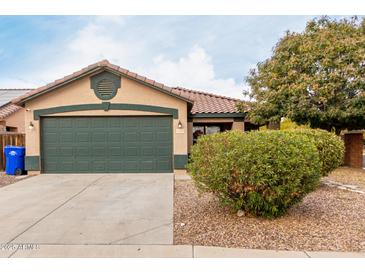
(199, 130)
(11, 129)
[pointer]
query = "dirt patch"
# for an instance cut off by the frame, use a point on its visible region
(8, 180)
(327, 219)
(350, 176)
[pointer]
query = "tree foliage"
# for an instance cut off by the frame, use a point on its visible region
(316, 77)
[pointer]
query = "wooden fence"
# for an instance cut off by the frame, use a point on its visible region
(12, 139)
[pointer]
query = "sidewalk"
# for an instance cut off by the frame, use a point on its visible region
(162, 251)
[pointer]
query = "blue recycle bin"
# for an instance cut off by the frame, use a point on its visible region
(14, 156)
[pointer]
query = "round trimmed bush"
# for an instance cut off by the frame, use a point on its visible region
(331, 148)
(263, 173)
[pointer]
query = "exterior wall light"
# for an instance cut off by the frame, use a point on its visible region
(179, 125)
(31, 126)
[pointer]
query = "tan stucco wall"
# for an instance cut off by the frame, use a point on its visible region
(131, 92)
(190, 135)
(16, 120)
(238, 126)
(2, 125)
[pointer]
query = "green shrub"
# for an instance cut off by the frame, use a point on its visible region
(262, 173)
(330, 147)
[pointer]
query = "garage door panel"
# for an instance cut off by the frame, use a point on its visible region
(82, 137)
(114, 137)
(98, 150)
(99, 137)
(131, 165)
(131, 151)
(131, 123)
(115, 122)
(131, 136)
(115, 152)
(98, 123)
(66, 123)
(51, 150)
(163, 151)
(148, 165)
(163, 164)
(66, 152)
(82, 123)
(82, 151)
(99, 165)
(106, 144)
(147, 151)
(147, 136)
(163, 136)
(67, 137)
(51, 138)
(82, 165)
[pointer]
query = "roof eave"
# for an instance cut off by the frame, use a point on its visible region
(21, 101)
(219, 115)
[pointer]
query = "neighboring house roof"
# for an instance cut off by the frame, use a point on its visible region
(99, 66)
(6, 95)
(205, 103)
(7, 110)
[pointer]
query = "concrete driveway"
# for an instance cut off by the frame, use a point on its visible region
(88, 209)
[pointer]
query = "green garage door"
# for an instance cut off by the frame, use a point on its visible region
(106, 144)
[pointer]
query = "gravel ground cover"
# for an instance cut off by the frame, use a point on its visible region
(347, 175)
(7, 179)
(328, 219)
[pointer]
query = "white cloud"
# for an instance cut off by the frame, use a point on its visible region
(107, 37)
(196, 71)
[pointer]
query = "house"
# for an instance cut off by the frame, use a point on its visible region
(11, 116)
(104, 118)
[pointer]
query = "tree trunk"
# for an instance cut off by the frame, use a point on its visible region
(275, 125)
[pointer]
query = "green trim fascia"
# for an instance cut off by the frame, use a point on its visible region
(218, 115)
(32, 163)
(239, 119)
(105, 106)
(180, 161)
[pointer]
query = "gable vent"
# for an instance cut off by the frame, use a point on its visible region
(105, 85)
(106, 88)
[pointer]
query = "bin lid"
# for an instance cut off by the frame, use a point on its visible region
(17, 149)
(14, 147)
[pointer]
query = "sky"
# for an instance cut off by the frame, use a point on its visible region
(208, 53)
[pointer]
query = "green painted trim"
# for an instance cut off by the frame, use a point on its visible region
(240, 119)
(180, 161)
(218, 115)
(32, 163)
(105, 75)
(105, 106)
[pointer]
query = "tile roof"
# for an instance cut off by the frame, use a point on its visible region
(6, 95)
(203, 102)
(104, 64)
(207, 102)
(7, 110)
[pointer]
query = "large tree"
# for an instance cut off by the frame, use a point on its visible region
(316, 77)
